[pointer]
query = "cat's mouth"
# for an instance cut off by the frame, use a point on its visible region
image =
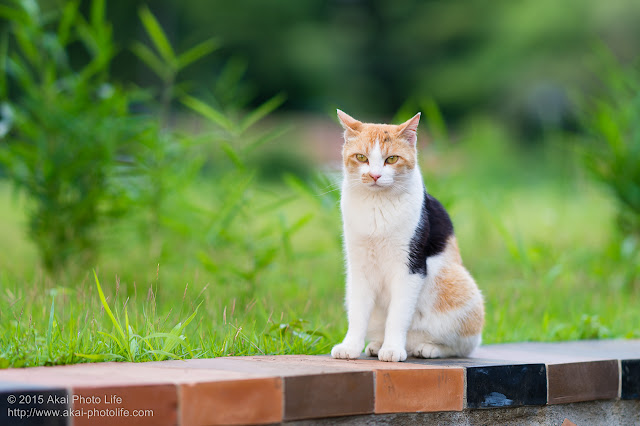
(376, 185)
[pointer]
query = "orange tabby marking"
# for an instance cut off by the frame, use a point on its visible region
(391, 143)
(452, 283)
(474, 321)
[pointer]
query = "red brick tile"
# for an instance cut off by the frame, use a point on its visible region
(419, 390)
(137, 384)
(125, 405)
(252, 401)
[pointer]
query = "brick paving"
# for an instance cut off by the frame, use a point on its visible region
(274, 389)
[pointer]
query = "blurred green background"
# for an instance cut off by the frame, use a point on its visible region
(521, 60)
(189, 153)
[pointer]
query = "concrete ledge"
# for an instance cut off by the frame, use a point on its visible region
(592, 413)
(534, 380)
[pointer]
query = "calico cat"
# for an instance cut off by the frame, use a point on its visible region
(407, 291)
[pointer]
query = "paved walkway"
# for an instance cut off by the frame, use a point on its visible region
(274, 389)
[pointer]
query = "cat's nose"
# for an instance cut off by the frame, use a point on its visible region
(375, 177)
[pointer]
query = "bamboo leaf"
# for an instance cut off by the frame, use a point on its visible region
(157, 36)
(20, 71)
(29, 50)
(4, 49)
(231, 205)
(209, 112)
(233, 155)
(263, 110)
(151, 60)
(206, 261)
(197, 52)
(300, 223)
(67, 20)
(97, 12)
(266, 137)
(14, 15)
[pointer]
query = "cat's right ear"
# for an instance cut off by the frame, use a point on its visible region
(349, 123)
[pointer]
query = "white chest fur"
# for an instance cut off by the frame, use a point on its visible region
(381, 219)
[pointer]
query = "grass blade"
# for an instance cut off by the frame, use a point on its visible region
(100, 357)
(50, 327)
(114, 338)
(103, 300)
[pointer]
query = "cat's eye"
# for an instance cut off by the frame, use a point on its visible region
(392, 159)
(361, 158)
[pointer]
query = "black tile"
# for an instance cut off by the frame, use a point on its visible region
(25, 405)
(499, 386)
(630, 379)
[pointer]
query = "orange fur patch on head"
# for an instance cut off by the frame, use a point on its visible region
(391, 143)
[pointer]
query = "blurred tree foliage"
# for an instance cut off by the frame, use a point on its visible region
(515, 58)
(67, 130)
(88, 149)
(612, 152)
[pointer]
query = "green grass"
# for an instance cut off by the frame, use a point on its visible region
(539, 238)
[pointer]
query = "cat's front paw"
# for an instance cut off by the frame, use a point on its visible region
(392, 354)
(346, 351)
(372, 349)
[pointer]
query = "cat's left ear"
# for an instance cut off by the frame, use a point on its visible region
(408, 130)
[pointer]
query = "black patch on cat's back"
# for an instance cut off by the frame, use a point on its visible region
(431, 235)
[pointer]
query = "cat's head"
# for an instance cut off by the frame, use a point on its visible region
(379, 156)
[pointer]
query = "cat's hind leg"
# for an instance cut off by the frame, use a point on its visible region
(432, 350)
(462, 348)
